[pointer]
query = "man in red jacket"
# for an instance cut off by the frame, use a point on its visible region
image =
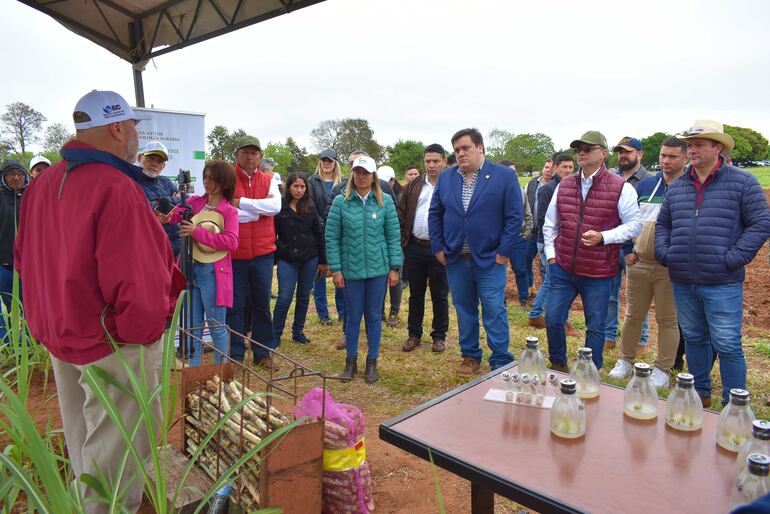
(113, 266)
(258, 200)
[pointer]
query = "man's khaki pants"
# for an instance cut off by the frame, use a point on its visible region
(93, 441)
(647, 281)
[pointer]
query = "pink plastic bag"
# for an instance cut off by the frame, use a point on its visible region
(347, 480)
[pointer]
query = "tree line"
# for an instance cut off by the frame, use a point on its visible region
(21, 126)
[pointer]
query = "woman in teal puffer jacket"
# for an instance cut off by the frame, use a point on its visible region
(363, 250)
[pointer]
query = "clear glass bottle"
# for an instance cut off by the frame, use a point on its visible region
(524, 396)
(759, 442)
(752, 482)
(640, 401)
(586, 375)
(508, 386)
(568, 415)
(734, 425)
(537, 389)
(532, 360)
(684, 410)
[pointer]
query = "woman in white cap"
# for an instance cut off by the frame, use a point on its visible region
(327, 175)
(214, 230)
(363, 248)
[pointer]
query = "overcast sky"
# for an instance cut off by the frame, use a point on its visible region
(424, 69)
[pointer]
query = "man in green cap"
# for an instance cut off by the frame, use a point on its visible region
(258, 200)
(590, 215)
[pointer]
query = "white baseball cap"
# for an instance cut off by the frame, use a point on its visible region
(364, 162)
(99, 108)
(386, 173)
(155, 148)
(37, 160)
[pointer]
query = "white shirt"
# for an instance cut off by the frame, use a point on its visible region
(628, 211)
(251, 208)
(420, 226)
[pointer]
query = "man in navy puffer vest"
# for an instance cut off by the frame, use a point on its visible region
(713, 222)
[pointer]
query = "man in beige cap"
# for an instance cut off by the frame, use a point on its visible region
(713, 221)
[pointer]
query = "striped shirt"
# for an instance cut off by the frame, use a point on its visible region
(468, 187)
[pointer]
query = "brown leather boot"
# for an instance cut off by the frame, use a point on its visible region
(267, 363)
(468, 367)
(439, 344)
(342, 343)
(570, 330)
(538, 322)
(411, 343)
(564, 368)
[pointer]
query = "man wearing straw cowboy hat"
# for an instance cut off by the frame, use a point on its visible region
(713, 221)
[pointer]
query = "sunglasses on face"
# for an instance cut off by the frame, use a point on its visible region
(586, 149)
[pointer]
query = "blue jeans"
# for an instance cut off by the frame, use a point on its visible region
(364, 299)
(531, 254)
(710, 317)
(563, 289)
(252, 279)
(538, 306)
(319, 296)
(6, 292)
(339, 301)
(203, 304)
(611, 328)
(471, 285)
(520, 263)
(291, 275)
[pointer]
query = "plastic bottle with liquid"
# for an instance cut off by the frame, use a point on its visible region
(532, 361)
(586, 375)
(568, 416)
(684, 410)
(735, 421)
(753, 482)
(640, 400)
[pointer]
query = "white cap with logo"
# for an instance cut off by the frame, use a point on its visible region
(99, 108)
(37, 160)
(364, 162)
(155, 148)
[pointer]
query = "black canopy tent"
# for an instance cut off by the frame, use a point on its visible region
(138, 30)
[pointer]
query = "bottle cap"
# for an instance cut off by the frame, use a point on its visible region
(525, 377)
(515, 377)
(585, 352)
(760, 429)
(642, 370)
(685, 380)
(505, 376)
(535, 379)
(759, 464)
(739, 396)
(532, 342)
(568, 386)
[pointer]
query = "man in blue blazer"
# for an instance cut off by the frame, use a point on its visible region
(475, 216)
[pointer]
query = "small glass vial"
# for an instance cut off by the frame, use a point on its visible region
(640, 400)
(734, 425)
(508, 386)
(537, 389)
(515, 386)
(532, 360)
(684, 410)
(586, 375)
(524, 396)
(753, 482)
(568, 416)
(553, 381)
(759, 442)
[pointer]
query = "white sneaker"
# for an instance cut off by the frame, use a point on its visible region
(622, 369)
(659, 378)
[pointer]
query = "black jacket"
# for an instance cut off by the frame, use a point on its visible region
(299, 237)
(544, 197)
(317, 191)
(10, 201)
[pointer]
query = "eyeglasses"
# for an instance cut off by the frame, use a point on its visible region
(586, 149)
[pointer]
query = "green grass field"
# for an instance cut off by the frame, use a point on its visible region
(762, 174)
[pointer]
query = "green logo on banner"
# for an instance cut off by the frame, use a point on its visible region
(199, 155)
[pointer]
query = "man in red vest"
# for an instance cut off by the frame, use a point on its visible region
(257, 199)
(590, 215)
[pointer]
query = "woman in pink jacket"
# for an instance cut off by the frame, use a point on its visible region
(212, 292)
